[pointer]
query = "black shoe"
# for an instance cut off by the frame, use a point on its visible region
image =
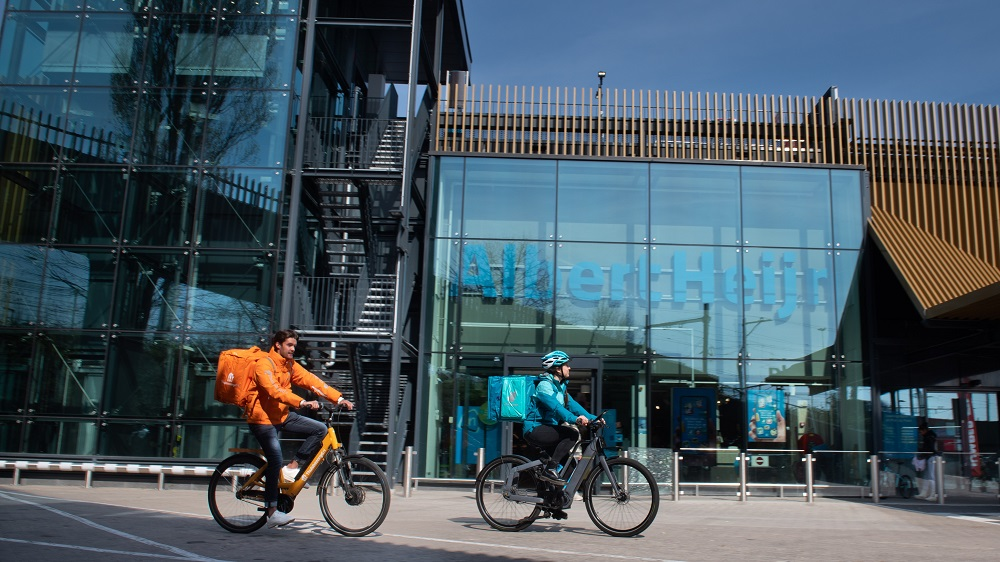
(559, 514)
(550, 476)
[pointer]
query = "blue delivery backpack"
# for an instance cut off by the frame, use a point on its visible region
(508, 397)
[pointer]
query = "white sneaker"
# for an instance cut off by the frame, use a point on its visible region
(289, 474)
(931, 498)
(279, 519)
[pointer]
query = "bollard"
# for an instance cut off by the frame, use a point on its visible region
(407, 471)
(809, 477)
(939, 478)
(743, 476)
(480, 460)
(873, 461)
(676, 473)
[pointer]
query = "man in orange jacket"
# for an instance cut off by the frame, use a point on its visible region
(270, 410)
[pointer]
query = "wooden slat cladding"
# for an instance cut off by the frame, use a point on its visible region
(932, 166)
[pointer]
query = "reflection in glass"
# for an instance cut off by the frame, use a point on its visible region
(785, 207)
(245, 128)
(26, 198)
(849, 321)
(695, 301)
(694, 204)
(600, 298)
(89, 208)
(16, 352)
(208, 441)
(510, 199)
(47, 437)
(111, 50)
(136, 439)
(39, 48)
(239, 208)
(53, 287)
(152, 291)
(30, 123)
(229, 292)
(448, 216)
(159, 206)
(506, 290)
(442, 319)
(141, 371)
(790, 307)
(68, 374)
(603, 201)
(848, 197)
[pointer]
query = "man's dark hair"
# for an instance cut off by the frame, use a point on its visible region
(922, 426)
(282, 335)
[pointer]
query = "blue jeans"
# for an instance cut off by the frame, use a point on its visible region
(267, 436)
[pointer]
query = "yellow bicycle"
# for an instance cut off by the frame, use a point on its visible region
(353, 492)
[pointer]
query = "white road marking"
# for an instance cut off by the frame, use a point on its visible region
(183, 554)
(978, 519)
(532, 548)
(101, 550)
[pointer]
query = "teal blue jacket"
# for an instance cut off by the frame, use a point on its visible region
(552, 405)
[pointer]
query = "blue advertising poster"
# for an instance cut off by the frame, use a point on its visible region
(899, 434)
(693, 417)
(766, 410)
(474, 430)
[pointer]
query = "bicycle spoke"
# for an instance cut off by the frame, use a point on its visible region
(493, 493)
(624, 502)
(354, 496)
(234, 505)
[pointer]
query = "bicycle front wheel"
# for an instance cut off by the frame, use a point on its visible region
(354, 496)
(905, 487)
(235, 510)
(492, 494)
(622, 501)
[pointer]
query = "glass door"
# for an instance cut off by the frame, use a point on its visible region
(968, 436)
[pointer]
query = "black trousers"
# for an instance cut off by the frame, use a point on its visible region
(555, 440)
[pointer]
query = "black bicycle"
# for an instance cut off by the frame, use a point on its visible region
(620, 493)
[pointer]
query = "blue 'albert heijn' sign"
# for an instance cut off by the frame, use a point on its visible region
(591, 281)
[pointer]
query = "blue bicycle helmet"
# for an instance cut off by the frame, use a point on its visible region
(554, 359)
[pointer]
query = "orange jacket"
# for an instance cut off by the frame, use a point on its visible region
(272, 396)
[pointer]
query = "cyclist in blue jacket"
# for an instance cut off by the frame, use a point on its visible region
(551, 415)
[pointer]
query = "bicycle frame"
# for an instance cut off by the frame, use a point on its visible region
(330, 444)
(593, 453)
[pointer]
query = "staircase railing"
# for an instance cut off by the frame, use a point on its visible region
(344, 142)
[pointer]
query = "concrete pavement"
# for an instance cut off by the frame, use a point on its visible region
(57, 523)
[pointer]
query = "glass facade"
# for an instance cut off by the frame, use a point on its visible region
(698, 302)
(143, 148)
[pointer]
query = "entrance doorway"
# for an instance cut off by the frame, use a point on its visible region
(968, 434)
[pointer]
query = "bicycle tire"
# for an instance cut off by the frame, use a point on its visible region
(631, 506)
(234, 513)
(492, 500)
(354, 496)
(904, 487)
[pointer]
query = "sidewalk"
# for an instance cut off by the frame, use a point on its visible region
(55, 522)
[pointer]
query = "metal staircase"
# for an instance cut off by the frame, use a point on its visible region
(346, 313)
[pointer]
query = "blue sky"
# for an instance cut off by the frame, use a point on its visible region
(906, 50)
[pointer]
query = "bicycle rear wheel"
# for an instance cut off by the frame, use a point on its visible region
(492, 495)
(354, 496)
(235, 511)
(624, 502)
